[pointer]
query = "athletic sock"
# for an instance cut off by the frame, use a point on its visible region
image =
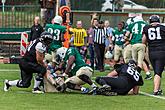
(13, 83)
(148, 73)
(83, 88)
(36, 83)
(93, 85)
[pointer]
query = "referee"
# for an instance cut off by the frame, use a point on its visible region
(100, 34)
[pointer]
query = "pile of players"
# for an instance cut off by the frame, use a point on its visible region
(62, 69)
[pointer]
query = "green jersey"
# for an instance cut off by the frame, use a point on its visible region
(56, 30)
(136, 30)
(118, 36)
(78, 63)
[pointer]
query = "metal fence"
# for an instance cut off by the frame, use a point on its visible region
(18, 16)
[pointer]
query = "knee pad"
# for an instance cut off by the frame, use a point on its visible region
(39, 77)
(70, 85)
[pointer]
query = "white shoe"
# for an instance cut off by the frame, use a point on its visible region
(6, 85)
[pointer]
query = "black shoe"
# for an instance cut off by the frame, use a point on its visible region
(159, 92)
(37, 91)
(106, 91)
(6, 85)
(148, 77)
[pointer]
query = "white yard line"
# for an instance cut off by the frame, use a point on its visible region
(150, 95)
(9, 70)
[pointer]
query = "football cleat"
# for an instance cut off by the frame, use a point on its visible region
(6, 85)
(148, 77)
(37, 91)
(85, 91)
(159, 92)
(106, 91)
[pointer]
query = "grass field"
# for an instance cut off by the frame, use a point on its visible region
(23, 99)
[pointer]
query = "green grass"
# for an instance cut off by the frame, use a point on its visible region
(23, 99)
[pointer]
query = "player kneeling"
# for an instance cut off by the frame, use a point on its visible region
(76, 69)
(32, 62)
(123, 80)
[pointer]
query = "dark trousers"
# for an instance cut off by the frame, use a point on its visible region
(99, 50)
(27, 69)
(120, 85)
(91, 52)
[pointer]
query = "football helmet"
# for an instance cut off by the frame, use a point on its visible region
(154, 18)
(58, 20)
(60, 53)
(132, 63)
(109, 55)
(138, 18)
(46, 38)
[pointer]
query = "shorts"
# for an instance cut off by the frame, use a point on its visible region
(157, 59)
(82, 71)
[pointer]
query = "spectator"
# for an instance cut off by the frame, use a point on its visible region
(90, 41)
(36, 29)
(48, 10)
(109, 29)
(64, 3)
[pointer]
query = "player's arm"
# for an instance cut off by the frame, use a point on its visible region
(144, 39)
(134, 91)
(113, 74)
(70, 63)
(127, 34)
(40, 57)
(40, 53)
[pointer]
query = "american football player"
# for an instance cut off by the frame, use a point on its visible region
(32, 62)
(138, 49)
(77, 70)
(58, 37)
(124, 78)
(154, 36)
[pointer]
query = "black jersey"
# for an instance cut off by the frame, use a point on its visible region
(155, 37)
(130, 74)
(34, 46)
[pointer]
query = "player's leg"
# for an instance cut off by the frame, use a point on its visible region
(112, 85)
(141, 53)
(158, 66)
(116, 53)
(146, 69)
(41, 71)
(127, 53)
(24, 82)
(85, 74)
(75, 83)
(134, 53)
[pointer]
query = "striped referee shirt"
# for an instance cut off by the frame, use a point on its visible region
(100, 35)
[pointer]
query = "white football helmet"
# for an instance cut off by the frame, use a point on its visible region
(109, 55)
(138, 18)
(58, 20)
(61, 52)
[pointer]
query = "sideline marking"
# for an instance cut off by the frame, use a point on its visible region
(9, 70)
(150, 95)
